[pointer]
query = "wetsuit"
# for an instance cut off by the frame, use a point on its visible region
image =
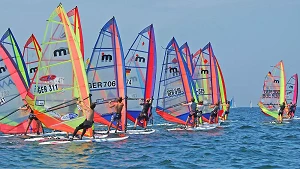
(282, 107)
(144, 113)
(227, 111)
(84, 125)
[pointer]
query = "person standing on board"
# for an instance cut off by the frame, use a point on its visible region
(200, 107)
(31, 117)
(293, 110)
(225, 114)
(192, 112)
(117, 117)
(144, 113)
(88, 122)
(214, 113)
(280, 112)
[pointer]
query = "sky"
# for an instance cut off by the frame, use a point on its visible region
(248, 36)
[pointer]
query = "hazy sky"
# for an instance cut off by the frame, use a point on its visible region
(248, 36)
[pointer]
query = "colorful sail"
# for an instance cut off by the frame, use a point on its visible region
(175, 86)
(32, 53)
(207, 79)
(13, 89)
(292, 89)
(274, 91)
(185, 50)
(140, 65)
(55, 87)
(74, 18)
(106, 73)
(222, 88)
(9, 42)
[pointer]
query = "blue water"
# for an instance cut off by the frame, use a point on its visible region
(247, 141)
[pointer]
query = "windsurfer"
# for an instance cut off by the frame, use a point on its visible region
(117, 117)
(193, 111)
(200, 107)
(280, 112)
(225, 114)
(88, 122)
(144, 113)
(291, 111)
(31, 117)
(214, 113)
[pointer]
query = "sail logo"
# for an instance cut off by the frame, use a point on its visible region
(174, 70)
(2, 69)
(276, 81)
(140, 59)
(106, 58)
(69, 116)
(204, 71)
(61, 51)
(5, 83)
(33, 70)
(2, 101)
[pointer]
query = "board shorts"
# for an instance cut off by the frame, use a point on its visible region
(192, 114)
(143, 116)
(116, 117)
(199, 113)
(213, 114)
(226, 112)
(280, 113)
(32, 117)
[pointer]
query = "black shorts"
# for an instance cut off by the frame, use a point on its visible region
(86, 124)
(116, 117)
(143, 116)
(280, 113)
(32, 117)
(192, 114)
(226, 112)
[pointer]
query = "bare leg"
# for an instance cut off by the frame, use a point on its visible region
(117, 126)
(108, 129)
(135, 123)
(30, 120)
(186, 122)
(145, 122)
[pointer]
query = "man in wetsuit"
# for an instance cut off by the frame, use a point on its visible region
(31, 117)
(225, 114)
(192, 113)
(280, 112)
(88, 122)
(214, 113)
(117, 117)
(144, 113)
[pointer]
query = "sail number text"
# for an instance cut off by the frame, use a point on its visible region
(97, 85)
(46, 88)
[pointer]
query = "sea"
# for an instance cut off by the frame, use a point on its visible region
(248, 140)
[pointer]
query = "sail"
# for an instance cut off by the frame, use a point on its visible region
(13, 89)
(74, 18)
(55, 87)
(206, 78)
(292, 89)
(222, 88)
(140, 64)
(9, 42)
(31, 55)
(274, 90)
(175, 86)
(106, 73)
(187, 56)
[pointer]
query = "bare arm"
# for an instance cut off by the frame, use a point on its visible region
(110, 106)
